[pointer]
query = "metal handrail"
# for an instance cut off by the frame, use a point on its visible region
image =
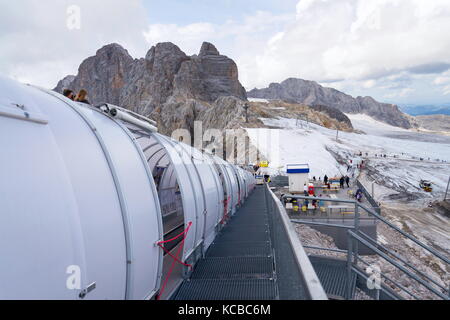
(312, 282)
(401, 259)
(372, 244)
(424, 246)
(325, 249)
(394, 263)
(393, 281)
(313, 223)
(377, 216)
(363, 275)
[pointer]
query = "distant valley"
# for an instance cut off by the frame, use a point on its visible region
(426, 110)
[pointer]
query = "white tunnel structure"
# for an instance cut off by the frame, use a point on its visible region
(87, 199)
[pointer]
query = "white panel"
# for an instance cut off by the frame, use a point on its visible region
(240, 184)
(97, 200)
(210, 192)
(61, 199)
(190, 189)
(39, 230)
(142, 206)
(198, 228)
(224, 180)
(234, 183)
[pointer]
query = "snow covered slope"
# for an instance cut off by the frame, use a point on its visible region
(298, 142)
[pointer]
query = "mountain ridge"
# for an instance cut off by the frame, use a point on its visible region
(311, 93)
(165, 73)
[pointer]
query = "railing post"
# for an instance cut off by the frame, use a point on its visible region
(357, 225)
(349, 266)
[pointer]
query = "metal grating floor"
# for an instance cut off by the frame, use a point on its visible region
(332, 274)
(244, 236)
(235, 267)
(241, 249)
(207, 289)
(239, 265)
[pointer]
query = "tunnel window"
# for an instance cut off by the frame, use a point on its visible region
(166, 183)
(222, 180)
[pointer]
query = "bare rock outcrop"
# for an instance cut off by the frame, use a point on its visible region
(166, 74)
(208, 76)
(176, 89)
(311, 93)
(104, 75)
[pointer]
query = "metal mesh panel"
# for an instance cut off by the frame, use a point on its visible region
(260, 289)
(244, 236)
(241, 249)
(332, 274)
(234, 268)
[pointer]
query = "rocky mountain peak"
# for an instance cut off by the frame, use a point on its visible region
(112, 49)
(311, 93)
(165, 75)
(165, 50)
(208, 49)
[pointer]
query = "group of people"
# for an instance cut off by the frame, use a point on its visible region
(80, 97)
(316, 203)
(325, 179)
(342, 181)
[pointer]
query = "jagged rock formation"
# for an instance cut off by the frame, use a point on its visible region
(323, 116)
(311, 93)
(165, 75)
(333, 113)
(176, 90)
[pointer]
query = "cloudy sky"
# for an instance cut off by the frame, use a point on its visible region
(394, 50)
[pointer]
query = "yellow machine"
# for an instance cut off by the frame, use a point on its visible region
(264, 164)
(426, 185)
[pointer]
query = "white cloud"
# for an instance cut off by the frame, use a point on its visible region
(441, 80)
(446, 90)
(242, 40)
(383, 47)
(36, 45)
(369, 84)
(188, 38)
(403, 93)
(358, 39)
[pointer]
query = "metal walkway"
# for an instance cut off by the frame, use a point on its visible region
(240, 264)
(333, 276)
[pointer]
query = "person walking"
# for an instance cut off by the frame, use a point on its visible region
(347, 180)
(325, 179)
(342, 182)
